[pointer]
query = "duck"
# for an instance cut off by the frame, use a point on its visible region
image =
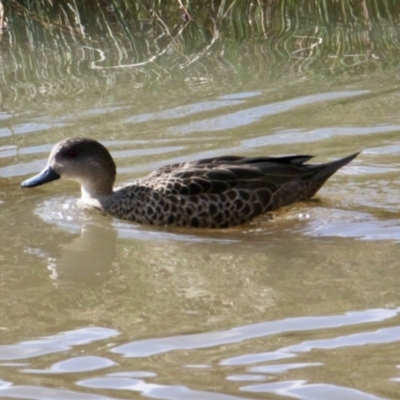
(218, 192)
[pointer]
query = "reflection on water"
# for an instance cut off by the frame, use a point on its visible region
(156, 346)
(300, 304)
(54, 344)
(248, 116)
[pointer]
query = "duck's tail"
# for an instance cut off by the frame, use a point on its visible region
(326, 170)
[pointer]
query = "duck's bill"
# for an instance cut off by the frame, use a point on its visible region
(47, 175)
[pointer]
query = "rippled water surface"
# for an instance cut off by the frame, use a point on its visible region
(302, 304)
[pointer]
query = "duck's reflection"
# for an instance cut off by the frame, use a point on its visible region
(88, 258)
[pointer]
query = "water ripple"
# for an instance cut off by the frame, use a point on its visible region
(54, 344)
(149, 347)
(250, 115)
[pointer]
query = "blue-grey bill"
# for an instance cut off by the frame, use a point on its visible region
(47, 175)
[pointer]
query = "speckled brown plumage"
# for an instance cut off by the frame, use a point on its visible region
(214, 193)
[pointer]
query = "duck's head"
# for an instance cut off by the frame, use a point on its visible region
(79, 159)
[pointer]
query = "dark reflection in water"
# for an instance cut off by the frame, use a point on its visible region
(49, 52)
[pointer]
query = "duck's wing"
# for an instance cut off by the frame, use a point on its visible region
(237, 160)
(208, 163)
(194, 180)
(219, 175)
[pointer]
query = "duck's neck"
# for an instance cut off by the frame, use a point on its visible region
(91, 192)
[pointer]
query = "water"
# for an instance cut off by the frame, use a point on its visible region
(302, 304)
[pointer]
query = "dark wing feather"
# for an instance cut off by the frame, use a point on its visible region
(237, 160)
(216, 179)
(208, 163)
(220, 174)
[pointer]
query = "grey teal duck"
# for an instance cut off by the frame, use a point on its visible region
(215, 193)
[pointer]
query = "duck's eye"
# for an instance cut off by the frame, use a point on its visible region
(72, 153)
